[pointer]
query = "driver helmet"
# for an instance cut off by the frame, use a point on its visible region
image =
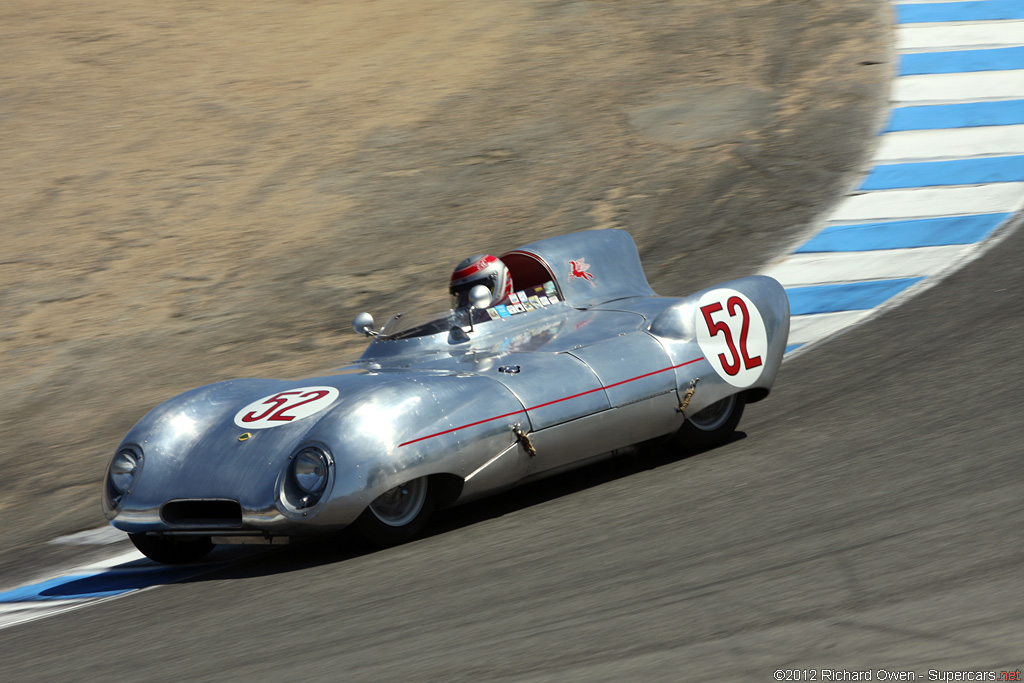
(485, 270)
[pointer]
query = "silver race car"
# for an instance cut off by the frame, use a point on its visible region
(554, 355)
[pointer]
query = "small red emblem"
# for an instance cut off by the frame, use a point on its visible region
(579, 269)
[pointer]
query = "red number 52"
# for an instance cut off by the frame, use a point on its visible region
(731, 365)
(279, 405)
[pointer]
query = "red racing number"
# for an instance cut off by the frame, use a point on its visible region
(731, 366)
(285, 407)
(275, 401)
(314, 395)
(279, 406)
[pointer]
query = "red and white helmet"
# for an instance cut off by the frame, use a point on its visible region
(480, 270)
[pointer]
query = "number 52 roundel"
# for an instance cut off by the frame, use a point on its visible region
(732, 336)
(285, 407)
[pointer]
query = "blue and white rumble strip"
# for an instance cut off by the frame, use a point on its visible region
(118, 574)
(947, 174)
(948, 171)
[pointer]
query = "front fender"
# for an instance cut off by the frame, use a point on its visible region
(420, 426)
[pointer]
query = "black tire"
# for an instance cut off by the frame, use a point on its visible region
(397, 515)
(169, 550)
(713, 425)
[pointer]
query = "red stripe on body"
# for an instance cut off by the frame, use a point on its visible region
(455, 429)
(549, 403)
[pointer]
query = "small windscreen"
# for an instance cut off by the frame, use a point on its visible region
(421, 323)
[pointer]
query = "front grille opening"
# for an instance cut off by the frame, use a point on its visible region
(213, 513)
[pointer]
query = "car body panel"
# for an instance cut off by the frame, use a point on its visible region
(553, 387)
(631, 367)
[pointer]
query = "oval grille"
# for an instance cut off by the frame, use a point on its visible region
(204, 513)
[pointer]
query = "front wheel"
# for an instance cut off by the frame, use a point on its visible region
(169, 550)
(398, 514)
(713, 425)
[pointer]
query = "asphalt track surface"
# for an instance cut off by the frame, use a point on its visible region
(868, 516)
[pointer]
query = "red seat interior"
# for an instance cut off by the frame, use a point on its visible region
(527, 270)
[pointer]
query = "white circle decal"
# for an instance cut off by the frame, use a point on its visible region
(732, 336)
(285, 407)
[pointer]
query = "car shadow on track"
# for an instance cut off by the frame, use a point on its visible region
(345, 545)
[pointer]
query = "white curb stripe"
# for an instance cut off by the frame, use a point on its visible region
(854, 266)
(113, 562)
(930, 202)
(105, 535)
(22, 612)
(910, 38)
(918, 145)
(959, 87)
(804, 329)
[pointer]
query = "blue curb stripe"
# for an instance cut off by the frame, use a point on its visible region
(925, 232)
(962, 61)
(966, 115)
(984, 10)
(854, 296)
(792, 347)
(36, 591)
(956, 172)
(100, 585)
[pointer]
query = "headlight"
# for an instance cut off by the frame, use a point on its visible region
(122, 470)
(121, 476)
(310, 474)
(306, 480)
(310, 470)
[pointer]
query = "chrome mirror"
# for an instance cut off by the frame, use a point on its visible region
(363, 324)
(480, 297)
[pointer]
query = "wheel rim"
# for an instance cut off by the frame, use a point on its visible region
(715, 415)
(400, 505)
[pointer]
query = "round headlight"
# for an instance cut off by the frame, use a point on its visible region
(122, 470)
(310, 470)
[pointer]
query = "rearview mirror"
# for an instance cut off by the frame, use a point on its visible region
(363, 324)
(480, 297)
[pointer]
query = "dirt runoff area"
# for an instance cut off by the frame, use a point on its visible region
(194, 191)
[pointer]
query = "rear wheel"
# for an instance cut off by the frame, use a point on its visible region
(713, 425)
(398, 514)
(169, 550)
